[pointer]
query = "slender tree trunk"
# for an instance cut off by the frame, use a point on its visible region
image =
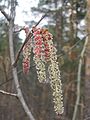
(87, 69)
(58, 20)
(14, 71)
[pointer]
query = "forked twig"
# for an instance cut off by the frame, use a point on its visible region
(26, 40)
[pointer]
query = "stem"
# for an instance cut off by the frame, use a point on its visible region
(79, 80)
(15, 76)
(26, 40)
(14, 70)
(5, 14)
(7, 93)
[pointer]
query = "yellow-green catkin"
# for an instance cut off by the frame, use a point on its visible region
(40, 66)
(55, 81)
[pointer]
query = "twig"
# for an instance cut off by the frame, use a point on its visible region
(74, 45)
(5, 14)
(17, 31)
(88, 118)
(40, 20)
(7, 93)
(3, 83)
(20, 50)
(26, 40)
(79, 79)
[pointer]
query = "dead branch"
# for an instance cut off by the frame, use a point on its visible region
(26, 40)
(5, 14)
(79, 79)
(7, 93)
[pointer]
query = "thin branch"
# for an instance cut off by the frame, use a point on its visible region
(40, 20)
(7, 93)
(26, 40)
(17, 31)
(77, 43)
(88, 118)
(71, 48)
(5, 14)
(3, 83)
(44, 10)
(20, 50)
(79, 79)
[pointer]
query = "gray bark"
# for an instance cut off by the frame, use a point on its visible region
(87, 68)
(15, 76)
(14, 70)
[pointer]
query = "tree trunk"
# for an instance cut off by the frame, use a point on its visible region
(87, 68)
(14, 71)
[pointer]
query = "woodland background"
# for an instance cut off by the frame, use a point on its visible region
(69, 22)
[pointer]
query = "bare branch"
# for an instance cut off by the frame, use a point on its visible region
(44, 10)
(40, 20)
(5, 14)
(19, 30)
(3, 83)
(7, 93)
(79, 79)
(88, 118)
(20, 50)
(26, 40)
(71, 48)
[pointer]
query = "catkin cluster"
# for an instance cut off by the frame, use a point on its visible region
(45, 54)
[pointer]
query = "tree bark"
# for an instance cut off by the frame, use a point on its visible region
(14, 71)
(87, 68)
(15, 76)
